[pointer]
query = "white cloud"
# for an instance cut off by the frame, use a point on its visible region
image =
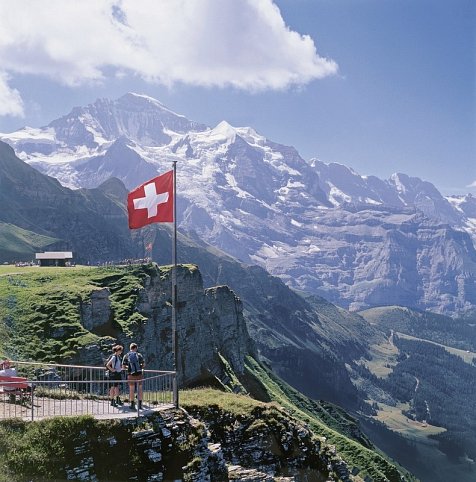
(473, 184)
(240, 43)
(10, 99)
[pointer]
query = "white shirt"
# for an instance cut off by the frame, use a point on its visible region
(116, 363)
(8, 372)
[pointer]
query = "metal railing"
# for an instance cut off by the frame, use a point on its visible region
(51, 390)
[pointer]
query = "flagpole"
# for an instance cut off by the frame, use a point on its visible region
(174, 293)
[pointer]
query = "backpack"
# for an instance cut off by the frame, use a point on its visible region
(133, 363)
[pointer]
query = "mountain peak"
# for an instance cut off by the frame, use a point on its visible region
(136, 95)
(138, 117)
(114, 187)
(145, 101)
(224, 131)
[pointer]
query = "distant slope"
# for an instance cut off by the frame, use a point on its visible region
(422, 382)
(87, 222)
(17, 243)
(454, 332)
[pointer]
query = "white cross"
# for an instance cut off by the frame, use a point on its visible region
(151, 200)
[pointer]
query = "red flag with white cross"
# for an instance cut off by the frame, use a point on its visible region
(152, 202)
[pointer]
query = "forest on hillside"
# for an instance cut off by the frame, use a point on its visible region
(440, 389)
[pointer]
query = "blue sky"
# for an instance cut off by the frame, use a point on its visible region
(381, 86)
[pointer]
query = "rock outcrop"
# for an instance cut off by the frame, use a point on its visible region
(266, 445)
(97, 311)
(211, 318)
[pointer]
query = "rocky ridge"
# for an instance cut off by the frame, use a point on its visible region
(209, 317)
(313, 224)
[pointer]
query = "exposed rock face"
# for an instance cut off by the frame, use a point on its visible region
(210, 318)
(228, 328)
(98, 311)
(266, 445)
(368, 257)
(175, 446)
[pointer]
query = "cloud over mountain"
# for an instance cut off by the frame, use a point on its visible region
(10, 99)
(239, 43)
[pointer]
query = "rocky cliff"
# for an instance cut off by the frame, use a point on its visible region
(209, 444)
(292, 334)
(211, 318)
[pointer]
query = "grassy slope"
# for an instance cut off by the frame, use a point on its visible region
(325, 419)
(40, 307)
(457, 333)
(466, 355)
(20, 244)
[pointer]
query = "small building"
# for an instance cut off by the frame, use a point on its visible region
(54, 258)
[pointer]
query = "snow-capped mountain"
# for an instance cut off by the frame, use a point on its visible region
(343, 185)
(357, 240)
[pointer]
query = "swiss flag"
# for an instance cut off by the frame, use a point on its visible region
(152, 202)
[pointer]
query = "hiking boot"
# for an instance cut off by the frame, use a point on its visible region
(119, 402)
(113, 403)
(133, 405)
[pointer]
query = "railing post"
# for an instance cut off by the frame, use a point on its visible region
(175, 390)
(32, 406)
(91, 386)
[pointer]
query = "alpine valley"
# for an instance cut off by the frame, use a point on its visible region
(354, 290)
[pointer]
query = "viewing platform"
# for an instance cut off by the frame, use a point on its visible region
(44, 390)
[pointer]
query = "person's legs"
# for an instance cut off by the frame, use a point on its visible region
(111, 395)
(139, 391)
(116, 394)
(131, 391)
(114, 390)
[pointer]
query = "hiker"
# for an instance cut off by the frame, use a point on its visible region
(114, 367)
(134, 363)
(6, 370)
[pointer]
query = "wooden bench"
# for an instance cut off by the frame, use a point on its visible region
(14, 386)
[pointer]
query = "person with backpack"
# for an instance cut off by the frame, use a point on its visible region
(114, 372)
(134, 363)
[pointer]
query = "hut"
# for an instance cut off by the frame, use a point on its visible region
(54, 258)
